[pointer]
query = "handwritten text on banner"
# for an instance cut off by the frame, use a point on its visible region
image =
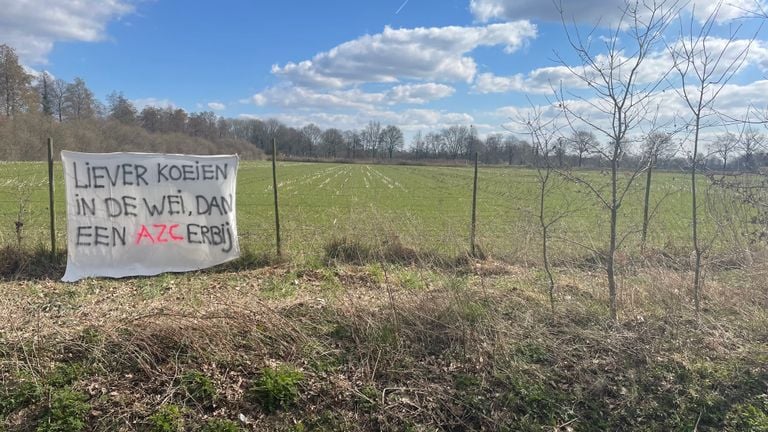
(144, 214)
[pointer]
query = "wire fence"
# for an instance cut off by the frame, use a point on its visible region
(424, 208)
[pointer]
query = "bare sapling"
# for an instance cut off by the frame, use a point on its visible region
(541, 128)
(23, 190)
(615, 99)
(704, 65)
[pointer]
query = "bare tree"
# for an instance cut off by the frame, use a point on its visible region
(202, 124)
(619, 94)
(582, 142)
(543, 133)
(392, 139)
(313, 135)
(332, 140)
(121, 109)
(58, 91)
(435, 144)
(493, 148)
(353, 141)
(371, 137)
(724, 145)
(15, 92)
(704, 67)
(79, 101)
(750, 142)
(456, 139)
(150, 118)
(177, 120)
(418, 145)
(511, 146)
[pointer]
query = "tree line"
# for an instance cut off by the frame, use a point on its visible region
(34, 107)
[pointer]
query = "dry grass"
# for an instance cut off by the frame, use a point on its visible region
(392, 347)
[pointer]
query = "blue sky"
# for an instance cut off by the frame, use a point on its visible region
(419, 64)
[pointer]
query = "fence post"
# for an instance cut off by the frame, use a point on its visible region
(474, 213)
(50, 197)
(274, 188)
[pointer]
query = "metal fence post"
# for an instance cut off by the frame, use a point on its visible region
(274, 188)
(474, 213)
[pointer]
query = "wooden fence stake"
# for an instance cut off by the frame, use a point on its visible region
(50, 197)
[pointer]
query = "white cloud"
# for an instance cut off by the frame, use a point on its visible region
(729, 10)
(734, 99)
(667, 108)
(487, 10)
(216, 106)
(418, 93)
(591, 11)
(436, 53)
(153, 102)
(538, 81)
(653, 68)
(293, 97)
(33, 26)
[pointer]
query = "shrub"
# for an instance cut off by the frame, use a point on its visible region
(751, 417)
(20, 395)
(65, 374)
(198, 387)
(167, 418)
(276, 388)
(66, 412)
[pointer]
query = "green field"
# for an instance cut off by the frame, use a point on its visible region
(426, 208)
(311, 344)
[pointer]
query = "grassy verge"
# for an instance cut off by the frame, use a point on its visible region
(383, 345)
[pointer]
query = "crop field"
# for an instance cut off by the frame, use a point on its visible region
(425, 208)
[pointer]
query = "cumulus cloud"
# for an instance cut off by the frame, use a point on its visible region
(735, 99)
(418, 93)
(655, 67)
(538, 81)
(216, 106)
(293, 97)
(33, 26)
(436, 53)
(591, 11)
(665, 108)
(285, 96)
(487, 10)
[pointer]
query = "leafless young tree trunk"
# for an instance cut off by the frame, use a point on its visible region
(619, 93)
(704, 67)
(544, 136)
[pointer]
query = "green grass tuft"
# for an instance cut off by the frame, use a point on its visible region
(167, 418)
(276, 388)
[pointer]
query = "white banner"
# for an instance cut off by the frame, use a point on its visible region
(144, 213)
